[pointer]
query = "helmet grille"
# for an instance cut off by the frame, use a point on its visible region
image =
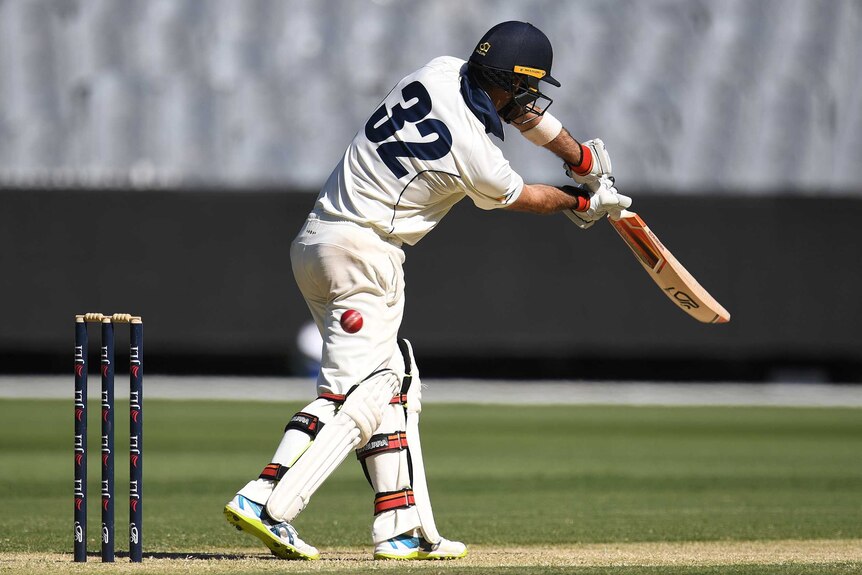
(522, 89)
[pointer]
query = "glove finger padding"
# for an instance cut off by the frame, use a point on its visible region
(623, 202)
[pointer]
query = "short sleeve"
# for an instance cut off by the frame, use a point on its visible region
(490, 180)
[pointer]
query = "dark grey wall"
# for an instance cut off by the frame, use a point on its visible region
(488, 292)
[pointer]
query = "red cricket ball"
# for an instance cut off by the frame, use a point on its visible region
(351, 321)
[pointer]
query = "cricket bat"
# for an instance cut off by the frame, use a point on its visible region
(670, 275)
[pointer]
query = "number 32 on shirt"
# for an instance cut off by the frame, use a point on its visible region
(384, 124)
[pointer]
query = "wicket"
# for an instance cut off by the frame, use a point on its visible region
(136, 429)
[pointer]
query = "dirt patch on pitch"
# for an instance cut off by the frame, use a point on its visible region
(712, 553)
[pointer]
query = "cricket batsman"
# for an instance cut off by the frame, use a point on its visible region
(428, 145)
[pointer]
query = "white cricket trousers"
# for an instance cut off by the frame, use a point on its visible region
(339, 265)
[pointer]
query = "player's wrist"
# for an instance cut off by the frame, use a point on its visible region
(585, 165)
(580, 196)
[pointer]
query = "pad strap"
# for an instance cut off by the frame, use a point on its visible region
(393, 500)
(382, 443)
(339, 398)
(274, 471)
(305, 422)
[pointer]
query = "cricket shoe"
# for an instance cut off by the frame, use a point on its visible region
(412, 547)
(281, 538)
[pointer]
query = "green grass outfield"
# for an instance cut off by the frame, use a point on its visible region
(560, 489)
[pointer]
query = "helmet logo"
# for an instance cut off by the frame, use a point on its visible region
(483, 48)
(534, 72)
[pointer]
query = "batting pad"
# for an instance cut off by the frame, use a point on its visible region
(352, 427)
(421, 495)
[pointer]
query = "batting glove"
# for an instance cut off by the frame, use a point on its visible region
(604, 201)
(595, 163)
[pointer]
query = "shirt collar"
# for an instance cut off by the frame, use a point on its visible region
(480, 104)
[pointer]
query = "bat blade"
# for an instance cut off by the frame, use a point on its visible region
(667, 272)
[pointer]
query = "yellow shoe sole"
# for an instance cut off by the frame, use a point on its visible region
(388, 557)
(259, 530)
(427, 556)
(418, 556)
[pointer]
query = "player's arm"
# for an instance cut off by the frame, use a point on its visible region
(544, 199)
(581, 205)
(586, 163)
(567, 148)
(548, 132)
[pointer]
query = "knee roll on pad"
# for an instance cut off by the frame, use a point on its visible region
(365, 402)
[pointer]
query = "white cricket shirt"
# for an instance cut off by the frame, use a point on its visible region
(422, 151)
